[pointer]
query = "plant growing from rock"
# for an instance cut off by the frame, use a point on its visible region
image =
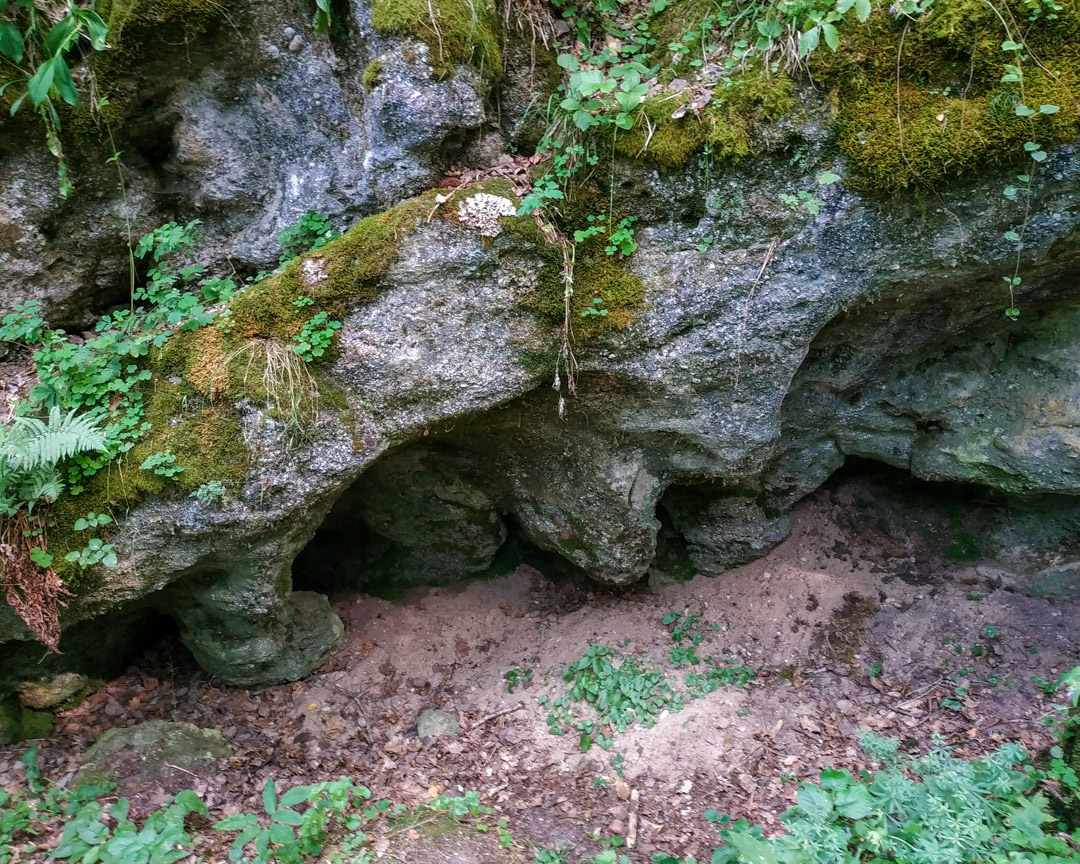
(38, 49)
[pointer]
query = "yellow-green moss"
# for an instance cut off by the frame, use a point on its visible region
(726, 124)
(455, 31)
(354, 266)
(596, 274)
(949, 113)
(370, 78)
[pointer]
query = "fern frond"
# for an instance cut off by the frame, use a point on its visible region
(31, 444)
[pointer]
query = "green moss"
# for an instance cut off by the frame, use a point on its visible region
(949, 113)
(355, 265)
(21, 724)
(726, 124)
(138, 29)
(455, 31)
(370, 78)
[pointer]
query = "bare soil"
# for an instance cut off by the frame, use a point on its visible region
(846, 628)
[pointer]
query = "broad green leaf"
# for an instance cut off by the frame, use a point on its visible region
(61, 35)
(63, 83)
(568, 62)
(1012, 236)
(753, 850)
(269, 796)
(1048, 109)
(296, 795)
(834, 779)
(38, 86)
(832, 37)
(814, 802)
(287, 817)
(854, 802)
(282, 835)
(827, 178)
(1009, 45)
(1023, 110)
(808, 41)
(862, 9)
(11, 42)
(236, 822)
(97, 28)
(190, 802)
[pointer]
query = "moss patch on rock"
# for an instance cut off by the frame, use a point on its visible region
(456, 31)
(922, 102)
(726, 125)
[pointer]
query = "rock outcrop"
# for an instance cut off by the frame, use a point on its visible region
(750, 347)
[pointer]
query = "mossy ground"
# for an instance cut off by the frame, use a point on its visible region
(456, 31)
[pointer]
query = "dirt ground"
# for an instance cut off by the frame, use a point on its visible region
(845, 628)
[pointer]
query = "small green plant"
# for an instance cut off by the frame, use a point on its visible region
(163, 463)
(620, 690)
(210, 494)
(39, 44)
(915, 811)
(315, 337)
(516, 678)
(874, 671)
(313, 231)
(803, 201)
(94, 552)
(621, 241)
(595, 309)
(545, 855)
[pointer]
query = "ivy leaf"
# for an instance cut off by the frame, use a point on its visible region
(1009, 45)
(808, 41)
(1012, 236)
(832, 36)
(568, 62)
(1048, 109)
(827, 178)
(862, 9)
(1039, 156)
(1023, 111)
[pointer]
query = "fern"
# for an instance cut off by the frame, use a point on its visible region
(31, 443)
(30, 450)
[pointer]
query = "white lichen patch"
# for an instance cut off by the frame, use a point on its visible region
(313, 271)
(482, 213)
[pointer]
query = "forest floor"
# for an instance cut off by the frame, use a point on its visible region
(846, 627)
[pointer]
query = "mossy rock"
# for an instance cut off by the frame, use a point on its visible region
(456, 32)
(22, 724)
(149, 751)
(64, 690)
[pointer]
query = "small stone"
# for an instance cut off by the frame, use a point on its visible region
(289, 32)
(617, 827)
(437, 724)
(296, 44)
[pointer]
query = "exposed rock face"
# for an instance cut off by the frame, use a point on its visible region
(745, 376)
